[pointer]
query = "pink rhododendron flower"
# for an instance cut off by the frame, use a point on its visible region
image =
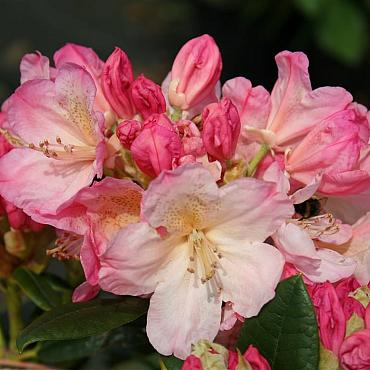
(147, 97)
(157, 146)
(330, 315)
(255, 359)
(116, 83)
(59, 139)
(355, 351)
(191, 138)
(95, 213)
(333, 148)
(212, 251)
(295, 107)
(195, 72)
(221, 128)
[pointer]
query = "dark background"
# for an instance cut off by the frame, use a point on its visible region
(334, 34)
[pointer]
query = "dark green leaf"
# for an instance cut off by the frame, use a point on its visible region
(58, 351)
(285, 331)
(172, 363)
(80, 320)
(37, 288)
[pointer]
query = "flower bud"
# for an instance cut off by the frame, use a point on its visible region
(116, 83)
(195, 72)
(157, 146)
(255, 359)
(221, 129)
(355, 351)
(330, 315)
(127, 131)
(147, 97)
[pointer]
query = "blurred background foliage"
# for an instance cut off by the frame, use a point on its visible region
(334, 34)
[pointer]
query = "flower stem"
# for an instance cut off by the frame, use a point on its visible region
(176, 115)
(13, 305)
(253, 164)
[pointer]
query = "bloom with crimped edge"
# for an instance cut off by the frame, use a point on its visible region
(59, 141)
(198, 245)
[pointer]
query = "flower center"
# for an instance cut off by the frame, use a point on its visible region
(203, 258)
(67, 246)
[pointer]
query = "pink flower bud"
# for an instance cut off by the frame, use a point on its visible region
(127, 131)
(221, 129)
(255, 359)
(195, 72)
(116, 83)
(157, 146)
(192, 363)
(330, 315)
(147, 97)
(350, 305)
(355, 351)
(191, 138)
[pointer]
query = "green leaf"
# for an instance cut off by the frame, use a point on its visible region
(172, 362)
(80, 320)
(285, 331)
(58, 351)
(37, 288)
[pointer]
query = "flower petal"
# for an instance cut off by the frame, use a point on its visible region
(39, 185)
(133, 260)
(181, 311)
(34, 66)
(251, 210)
(244, 265)
(182, 199)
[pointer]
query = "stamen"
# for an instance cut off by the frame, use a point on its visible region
(204, 256)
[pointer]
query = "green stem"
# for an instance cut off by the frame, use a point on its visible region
(176, 115)
(2, 343)
(13, 304)
(253, 164)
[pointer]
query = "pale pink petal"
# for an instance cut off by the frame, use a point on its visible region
(85, 292)
(182, 199)
(307, 191)
(340, 237)
(318, 265)
(39, 185)
(133, 260)
(89, 60)
(295, 108)
(181, 307)
(242, 265)
(362, 272)
(41, 109)
(275, 174)
(334, 266)
(297, 248)
(253, 104)
(251, 210)
(34, 66)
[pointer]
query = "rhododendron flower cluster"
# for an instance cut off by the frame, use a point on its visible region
(196, 195)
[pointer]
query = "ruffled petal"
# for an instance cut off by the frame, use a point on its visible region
(133, 260)
(242, 265)
(251, 210)
(182, 308)
(34, 66)
(40, 185)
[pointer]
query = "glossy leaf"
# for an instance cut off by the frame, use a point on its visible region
(79, 320)
(37, 288)
(171, 363)
(285, 331)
